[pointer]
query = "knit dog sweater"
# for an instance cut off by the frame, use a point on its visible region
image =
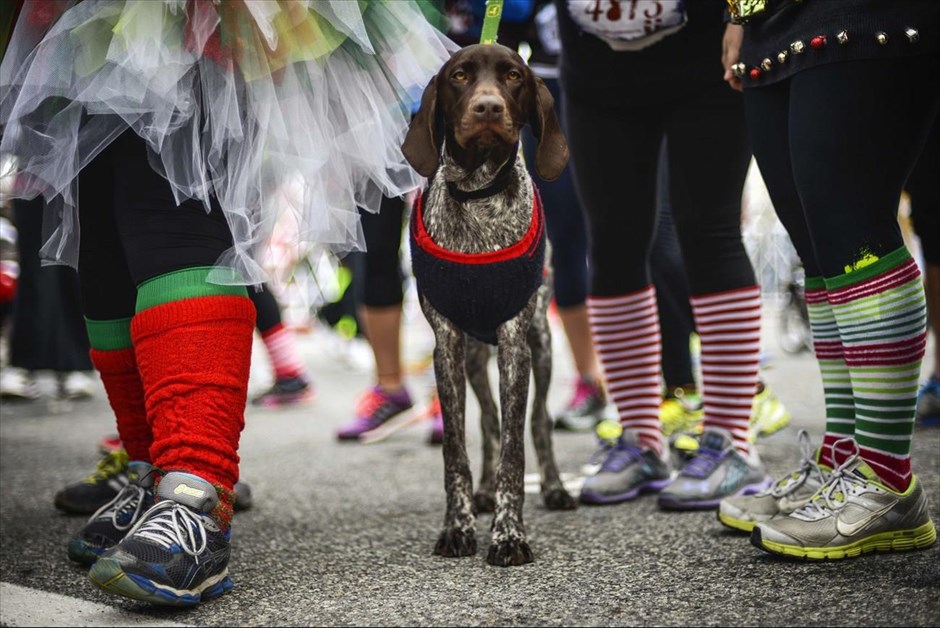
(479, 291)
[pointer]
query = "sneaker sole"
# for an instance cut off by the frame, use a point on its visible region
(107, 574)
(920, 537)
(741, 525)
(596, 499)
(668, 502)
(296, 399)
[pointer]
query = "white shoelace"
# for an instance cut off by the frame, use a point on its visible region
(808, 466)
(130, 494)
(831, 495)
(169, 523)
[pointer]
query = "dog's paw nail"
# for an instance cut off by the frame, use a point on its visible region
(559, 499)
(509, 554)
(453, 543)
(483, 502)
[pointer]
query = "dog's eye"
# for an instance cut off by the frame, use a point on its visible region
(514, 75)
(459, 75)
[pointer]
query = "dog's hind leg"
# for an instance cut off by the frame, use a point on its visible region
(514, 358)
(478, 357)
(458, 538)
(554, 495)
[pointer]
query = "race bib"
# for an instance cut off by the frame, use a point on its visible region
(628, 24)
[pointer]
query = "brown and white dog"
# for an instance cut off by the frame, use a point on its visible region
(478, 255)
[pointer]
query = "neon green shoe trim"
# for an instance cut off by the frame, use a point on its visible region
(736, 524)
(609, 430)
(920, 537)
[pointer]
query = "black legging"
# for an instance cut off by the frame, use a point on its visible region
(836, 190)
(672, 288)
(924, 187)
(132, 230)
(615, 151)
(377, 273)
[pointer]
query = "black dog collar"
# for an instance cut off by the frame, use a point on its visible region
(500, 183)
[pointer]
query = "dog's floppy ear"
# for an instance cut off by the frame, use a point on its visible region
(422, 145)
(551, 157)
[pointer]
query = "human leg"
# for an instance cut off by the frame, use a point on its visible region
(708, 128)
(874, 292)
(291, 381)
(379, 297)
(924, 190)
(617, 189)
(192, 343)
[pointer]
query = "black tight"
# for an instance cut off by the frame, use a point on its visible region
(132, 229)
(615, 152)
(836, 190)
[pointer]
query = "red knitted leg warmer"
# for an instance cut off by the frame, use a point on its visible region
(118, 370)
(194, 356)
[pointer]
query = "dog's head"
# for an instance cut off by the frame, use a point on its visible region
(479, 101)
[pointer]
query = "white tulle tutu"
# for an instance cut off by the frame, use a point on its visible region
(269, 106)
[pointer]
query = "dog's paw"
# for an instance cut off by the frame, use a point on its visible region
(510, 553)
(559, 499)
(454, 542)
(484, 502)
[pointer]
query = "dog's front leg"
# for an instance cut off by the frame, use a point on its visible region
(458, 538)
(509, 545)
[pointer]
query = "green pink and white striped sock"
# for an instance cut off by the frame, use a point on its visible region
(836, 380)
(882, 317)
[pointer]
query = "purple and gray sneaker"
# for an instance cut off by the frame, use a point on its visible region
(375, 407)
(626, 472)
(715, 471)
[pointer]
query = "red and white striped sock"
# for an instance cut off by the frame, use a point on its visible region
(626, 334)
(282, 351)
(728, 324)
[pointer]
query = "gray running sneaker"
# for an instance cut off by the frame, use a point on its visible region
(626, 472)
(794, 490)
(715, 471)
(853, 513)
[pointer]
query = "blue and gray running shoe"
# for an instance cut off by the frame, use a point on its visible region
(626, 471)
(108, 525)
(715, 471)
(176, 555)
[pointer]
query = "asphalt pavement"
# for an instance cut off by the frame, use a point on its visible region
(342, 534)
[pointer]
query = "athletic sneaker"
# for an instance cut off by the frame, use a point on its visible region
(98, 489)
(853, 513)
(626, 472)
(110, 523)
(436, 435)
(681, 411)
(375, 407)
(17, 384)
(586, 408)
(928, 402)
(716, 470)
(109, 443)
(793, 491)
(176, 555)
(768, 414)
(289, 391)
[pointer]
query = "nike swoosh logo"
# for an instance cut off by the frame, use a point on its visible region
(851, 529)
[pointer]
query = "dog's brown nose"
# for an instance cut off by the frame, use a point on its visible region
(488, 106)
